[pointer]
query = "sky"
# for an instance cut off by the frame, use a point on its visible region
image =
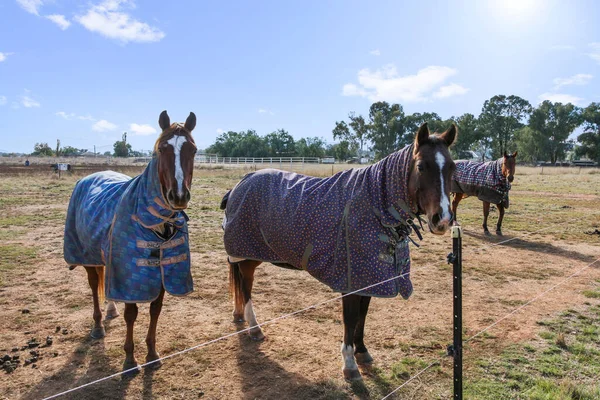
(85, 72)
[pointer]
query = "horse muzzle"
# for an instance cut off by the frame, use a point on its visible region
(178, 201)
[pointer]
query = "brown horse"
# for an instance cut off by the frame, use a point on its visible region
(137, 229)
(350, 231)
(490, 182)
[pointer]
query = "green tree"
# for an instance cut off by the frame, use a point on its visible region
(70, 151)
(341, 151)
(590, 138)
(531, 144)
(386, 128)
(469, 135)
(280, 144)
(500, 117)
(311, 147)
(360, 128)
(122, 149)
(42, 149)
(349, 139)
(555, 122)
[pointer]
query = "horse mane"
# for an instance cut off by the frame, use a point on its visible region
(175, 128)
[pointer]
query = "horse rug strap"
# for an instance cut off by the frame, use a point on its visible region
(343, 230)
(110, 223)
(484, 180)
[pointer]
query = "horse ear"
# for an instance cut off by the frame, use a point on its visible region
(505, 154)
(164, 121)
(422, 136)
(515, 154)
(190, 122)
(450, 135)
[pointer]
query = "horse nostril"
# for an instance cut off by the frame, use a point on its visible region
(188, 196)
(511, 178)
(436, 218)
(170, 196)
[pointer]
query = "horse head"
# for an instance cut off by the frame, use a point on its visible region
(430, 176)
(175, 149)
(508, 166)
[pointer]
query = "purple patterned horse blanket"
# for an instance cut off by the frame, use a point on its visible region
(110, 223)
(350, 231)
(484, 180)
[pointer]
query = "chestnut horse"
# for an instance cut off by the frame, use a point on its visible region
(350, 231)
(136, 230)
(489, 181)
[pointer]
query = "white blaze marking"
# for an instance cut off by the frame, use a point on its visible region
(177, 141)
(444, 202)
(348, 357)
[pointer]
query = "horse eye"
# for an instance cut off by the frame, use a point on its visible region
(420, 167)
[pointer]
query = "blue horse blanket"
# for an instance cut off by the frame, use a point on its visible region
(484, 180)
(110, 223)
(350, 231)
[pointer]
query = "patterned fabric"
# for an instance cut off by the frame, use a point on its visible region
(109, 223)
(484, 180)
(349, 230)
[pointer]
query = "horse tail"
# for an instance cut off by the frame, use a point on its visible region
(224, 200)
(235, 285)
(100, 272)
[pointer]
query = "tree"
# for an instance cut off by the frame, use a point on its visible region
(311, 147)
(57, 152)
(347, 139)
(341, 151)
(70, 151)
(107, 153)
(280, 144)
(469, 135)
(531, 144)
(121, 147)
(42, 149)
(555, 122)
(386, 128)
(590, 138)
(360, 128)
(500, 117)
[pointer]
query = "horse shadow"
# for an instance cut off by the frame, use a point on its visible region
(540, 247)
(263, 378)
(90, 351)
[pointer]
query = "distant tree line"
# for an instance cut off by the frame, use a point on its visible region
(121, 149)
(506, 123)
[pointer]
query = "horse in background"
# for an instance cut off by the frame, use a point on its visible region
(131, 234)
(350, 231)
(489, 181)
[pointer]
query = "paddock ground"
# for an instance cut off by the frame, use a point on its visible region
(549, 349)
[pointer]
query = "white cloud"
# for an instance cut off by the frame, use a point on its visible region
(386, 85)
(560, 98)
(4, 56)
(450, 90)
(103, 126)
(219, 131)
(59, 20)
(375, 52)
(69, 116)
(595, 54)
(562, 47)
(143, 129)
(109, 20)
(579, 79)
(29, 102)
(265, 111)
(3, 100)
(31, 6)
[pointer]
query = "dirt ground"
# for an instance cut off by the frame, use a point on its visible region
(544, 243)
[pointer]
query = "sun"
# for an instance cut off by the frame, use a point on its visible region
(516, 9)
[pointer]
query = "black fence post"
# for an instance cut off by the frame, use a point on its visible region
(457, 310)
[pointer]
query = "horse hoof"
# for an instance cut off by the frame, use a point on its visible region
(155, 364)
(499, 233)
(352, 375)
(363, 358)
(257, 336)
(487, 233)
(98, 332)
(111, 313)
(238, 318)
(131, 368)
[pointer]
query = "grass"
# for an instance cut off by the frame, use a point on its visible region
(563, 364)
(13, 256)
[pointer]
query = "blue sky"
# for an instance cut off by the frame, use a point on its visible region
(86, 71)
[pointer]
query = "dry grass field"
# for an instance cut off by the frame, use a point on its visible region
(549, 349)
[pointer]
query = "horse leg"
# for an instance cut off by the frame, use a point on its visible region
(360, 351)
(500, 218)
(130, 314)
(111, 310)
(155, 308)
(486, 213)
(351, 312)
(235, 291)
(242, 278)
(455, 200)
(98, 331)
